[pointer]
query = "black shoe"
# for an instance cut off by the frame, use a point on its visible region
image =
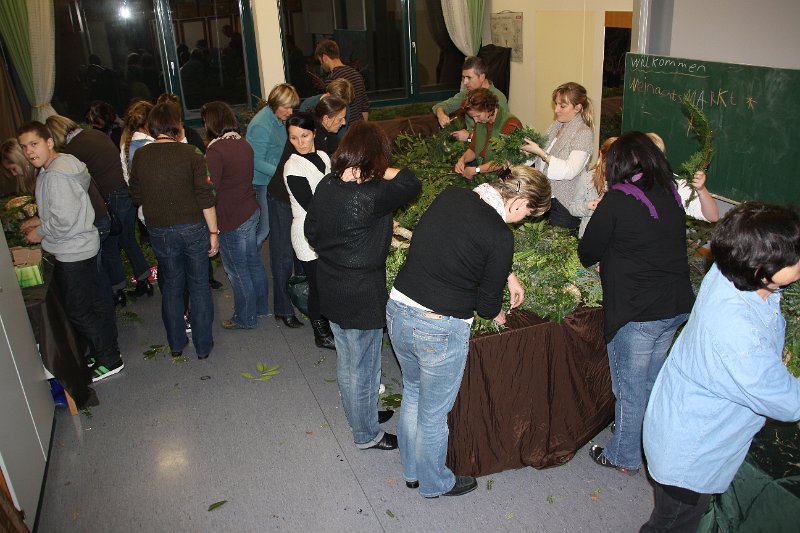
(464, 484)
(290, 321)
(596, 453)
(322, 338)
(177, 354)
(120, 299)
(384, 416)
(214, 284)
(143, 286)
(388, 442)
(412, 484)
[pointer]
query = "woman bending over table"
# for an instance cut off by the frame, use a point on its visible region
(458, 263)
(490, 121)
(569, 147)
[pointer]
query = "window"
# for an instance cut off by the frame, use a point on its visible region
(132, 49)
(401, 47)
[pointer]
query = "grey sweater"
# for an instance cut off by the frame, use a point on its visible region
(574, 135)
(66, 213)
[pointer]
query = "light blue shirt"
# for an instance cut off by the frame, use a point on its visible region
(723, 376)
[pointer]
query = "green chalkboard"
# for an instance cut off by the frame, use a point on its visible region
(753, 111)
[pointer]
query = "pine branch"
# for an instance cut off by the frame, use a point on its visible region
(700, 160)
(508, 148)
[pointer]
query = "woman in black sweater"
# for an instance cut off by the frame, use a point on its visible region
(349, 225)
(638, 235)
(459, 262)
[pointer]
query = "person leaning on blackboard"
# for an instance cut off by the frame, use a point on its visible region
(570, 145)
(703, 206)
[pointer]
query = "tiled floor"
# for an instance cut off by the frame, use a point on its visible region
(169, 439)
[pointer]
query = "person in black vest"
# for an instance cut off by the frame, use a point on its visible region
(349, 225)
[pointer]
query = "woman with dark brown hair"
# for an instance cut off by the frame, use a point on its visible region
(230, 162)
(169, 180)
(491, 120)
(330, 114)
(349, 225)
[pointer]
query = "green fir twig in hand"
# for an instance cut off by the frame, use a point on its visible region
(265, 373)
(699, 160)
(508, 148)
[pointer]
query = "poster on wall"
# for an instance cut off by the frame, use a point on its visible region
(507, 31)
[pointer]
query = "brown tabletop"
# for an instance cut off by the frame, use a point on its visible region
(532, 395)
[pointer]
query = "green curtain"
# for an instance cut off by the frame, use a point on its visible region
(14, 28)
(476, 23)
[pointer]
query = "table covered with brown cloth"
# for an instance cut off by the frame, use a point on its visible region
(60, 346)
(531, 395)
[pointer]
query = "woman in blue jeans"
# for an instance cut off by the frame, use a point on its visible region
(169, 180)
(459, 262)
(638, 235)
(230, 162)
(349, 226)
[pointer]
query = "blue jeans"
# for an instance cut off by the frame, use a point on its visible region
(281, 255)
(263, 222)
(432, 351)
(182, 252)
(635, 356)
(120, 202)
(242, 263)
(358, 369)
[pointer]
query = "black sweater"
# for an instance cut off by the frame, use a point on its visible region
(460, 257)
(349, 225)
(643, 265)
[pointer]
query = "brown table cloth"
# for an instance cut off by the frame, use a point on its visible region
(60, 346)
(532, 395)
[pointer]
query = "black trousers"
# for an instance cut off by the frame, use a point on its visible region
(561, 217)
(677, 510)
(310, 268)
(89, 305)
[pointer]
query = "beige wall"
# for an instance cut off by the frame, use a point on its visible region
(268, 44)
(562, 41)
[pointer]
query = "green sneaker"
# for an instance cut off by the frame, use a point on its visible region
(100, 371)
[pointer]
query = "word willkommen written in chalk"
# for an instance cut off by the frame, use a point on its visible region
(700, 97)
(678, 66)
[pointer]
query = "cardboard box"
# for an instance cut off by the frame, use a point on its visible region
(27, 265)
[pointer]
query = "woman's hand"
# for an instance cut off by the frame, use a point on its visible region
(699, 180)
(460, 135)
(532, 148)
(212, 251)
(501, 318)
(460, 164)
(469, 172)
(516, 291)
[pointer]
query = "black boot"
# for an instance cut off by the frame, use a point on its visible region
(323, 337)
(120, 299)
(143, 286)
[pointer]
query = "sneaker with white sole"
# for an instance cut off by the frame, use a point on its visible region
(100, 371)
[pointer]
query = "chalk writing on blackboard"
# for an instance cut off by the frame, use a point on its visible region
(702, 98)
(671, 66)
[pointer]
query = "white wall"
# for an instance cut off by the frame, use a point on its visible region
(765, 33)
(562, 41)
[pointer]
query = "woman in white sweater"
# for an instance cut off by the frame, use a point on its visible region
(304, 169)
